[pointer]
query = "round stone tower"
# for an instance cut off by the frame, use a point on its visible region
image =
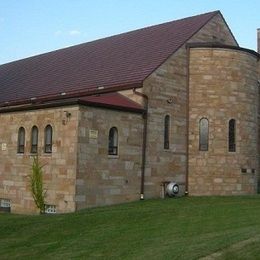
(223, 120)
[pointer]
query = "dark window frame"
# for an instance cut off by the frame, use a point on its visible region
(21, 140)
(34, 142)
(48, 139)
(232, 135)
(204, 134)
(166, 143)
(113, 141)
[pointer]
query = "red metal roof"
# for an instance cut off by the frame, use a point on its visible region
(119, 60)
(115, 100)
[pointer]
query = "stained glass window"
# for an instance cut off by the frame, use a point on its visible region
(113, 141)
(203, 134)
(21, 140)
(232, 135)
(34, 140)
(48, 139)
(166, 132)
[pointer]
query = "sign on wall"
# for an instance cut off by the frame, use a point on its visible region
(4, 146)
(93, 134)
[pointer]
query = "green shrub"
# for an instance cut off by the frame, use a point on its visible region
(36, 184)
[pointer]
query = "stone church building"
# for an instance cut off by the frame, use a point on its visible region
(114, 120)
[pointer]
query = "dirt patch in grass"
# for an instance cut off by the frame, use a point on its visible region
(235, 248)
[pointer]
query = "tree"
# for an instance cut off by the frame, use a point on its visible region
(36, 184)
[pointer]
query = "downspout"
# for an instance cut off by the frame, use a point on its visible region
(187, 120)
(145, 118)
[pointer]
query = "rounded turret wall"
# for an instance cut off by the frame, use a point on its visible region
(223, 91)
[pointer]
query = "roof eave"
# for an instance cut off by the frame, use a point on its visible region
(112, 107)
(222, 46)
(74, 94)
(62, 103)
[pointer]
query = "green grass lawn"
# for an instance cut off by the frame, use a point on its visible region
(183, 228)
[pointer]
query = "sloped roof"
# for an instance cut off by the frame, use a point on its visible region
(120, 60)
(112, 100)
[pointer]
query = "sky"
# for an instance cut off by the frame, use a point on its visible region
(31, 27)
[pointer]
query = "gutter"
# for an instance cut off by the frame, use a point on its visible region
(145, 118)
(221, 46)
(62, 103)
(71, 94)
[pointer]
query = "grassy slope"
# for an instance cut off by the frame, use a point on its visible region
(184, 228)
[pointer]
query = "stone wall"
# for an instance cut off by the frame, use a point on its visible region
(223, 86)
(169, 83)
(60, 165)
(104, 179)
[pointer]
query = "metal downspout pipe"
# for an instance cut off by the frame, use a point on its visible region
(187, 120)
(145, 118)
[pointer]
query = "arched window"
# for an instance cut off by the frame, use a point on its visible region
(232, 135)
(48, 139)
(21, 140)
(166, 132)
(203, 134)
(113, 141)
(34, 140)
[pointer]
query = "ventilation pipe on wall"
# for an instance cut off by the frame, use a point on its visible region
(145, 117)
(187, 120)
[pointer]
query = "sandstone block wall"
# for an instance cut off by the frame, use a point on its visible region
(223, 86)
(169, 81)
(104, 179)
(60, 165)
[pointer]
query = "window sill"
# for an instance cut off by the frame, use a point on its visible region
(46, 154)
(110, 156)
(33, 155)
